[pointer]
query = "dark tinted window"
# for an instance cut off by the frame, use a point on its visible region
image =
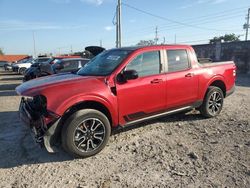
(42, 60)
(83, 62)
(177, 60)
(146, 64)
(70, 65)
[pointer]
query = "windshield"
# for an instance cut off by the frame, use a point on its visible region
(105, 63)
(23, 61)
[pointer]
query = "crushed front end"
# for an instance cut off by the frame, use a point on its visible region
(33, 112)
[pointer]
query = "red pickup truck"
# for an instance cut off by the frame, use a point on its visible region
(121, 87)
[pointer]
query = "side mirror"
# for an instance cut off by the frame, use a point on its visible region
(127, 75)
(130, 74)
(58, 66)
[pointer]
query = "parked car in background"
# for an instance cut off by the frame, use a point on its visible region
(2, 63)
(21, 67)
(8, 66)
(58, 66)
(119, 88)
(10, 59)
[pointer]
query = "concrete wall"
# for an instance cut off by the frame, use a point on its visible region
(239, 52)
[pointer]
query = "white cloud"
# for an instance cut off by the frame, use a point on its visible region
(109, 28)
(219, 1)
(132, 21)
(15, 25)
(95, 2)
(211, 1)
(186, 6)
(202, 2)
(61, 1)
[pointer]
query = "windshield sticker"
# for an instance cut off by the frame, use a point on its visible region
(113, 57)
(177, 58)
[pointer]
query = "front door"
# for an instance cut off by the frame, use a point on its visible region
(145, 95)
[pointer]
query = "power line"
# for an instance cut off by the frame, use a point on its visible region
(167, 19)
(211, 21)
(208, 16)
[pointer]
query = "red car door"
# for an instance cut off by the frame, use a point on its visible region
(182, 83)
(145, 95)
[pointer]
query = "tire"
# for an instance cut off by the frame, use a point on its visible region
(85, 133)
(212, 103)
(22, 71)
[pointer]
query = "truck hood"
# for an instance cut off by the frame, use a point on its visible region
(33, 87)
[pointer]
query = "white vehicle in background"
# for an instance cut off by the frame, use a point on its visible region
(21, 67)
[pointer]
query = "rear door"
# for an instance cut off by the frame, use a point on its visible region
(182, 83)
(145, 95)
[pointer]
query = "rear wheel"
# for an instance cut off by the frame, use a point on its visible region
(86, 133)
(213, 102)
(22, 71)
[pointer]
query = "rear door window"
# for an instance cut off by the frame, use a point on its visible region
(70, 66)
(177, 60)
(83, 62)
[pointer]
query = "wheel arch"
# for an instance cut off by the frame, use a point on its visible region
(89, 104)
(220, 84)
(54, 132)
(217, 81)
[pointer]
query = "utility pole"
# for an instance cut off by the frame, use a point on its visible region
(71, 49)
(34, 44)
(100, 43)
(118, 25)
(156, 35)
(164, 40)
(246, 26)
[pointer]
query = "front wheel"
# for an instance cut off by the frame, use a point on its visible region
(86, 133)
(213, 102)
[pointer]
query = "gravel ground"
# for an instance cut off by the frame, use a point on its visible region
(183, 150)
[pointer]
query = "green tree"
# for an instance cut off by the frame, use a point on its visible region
(1, 52)
(231, 37)
(226, 38)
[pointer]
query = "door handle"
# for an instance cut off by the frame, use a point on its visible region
(189, 75)
(156, 81)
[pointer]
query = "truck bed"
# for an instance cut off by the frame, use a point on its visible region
(212, 64)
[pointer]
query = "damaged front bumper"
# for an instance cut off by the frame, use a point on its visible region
(42, 131)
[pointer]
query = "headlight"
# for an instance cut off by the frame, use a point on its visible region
(40, 103)
(37, 103)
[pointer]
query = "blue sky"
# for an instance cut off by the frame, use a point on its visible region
(60, 24)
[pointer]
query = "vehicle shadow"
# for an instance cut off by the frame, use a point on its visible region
(4, 87)
(182, 116)
(18, 148)
(8, 73)
(8, 93)
(12, 78)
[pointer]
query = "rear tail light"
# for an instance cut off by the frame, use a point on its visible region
(234, 73)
